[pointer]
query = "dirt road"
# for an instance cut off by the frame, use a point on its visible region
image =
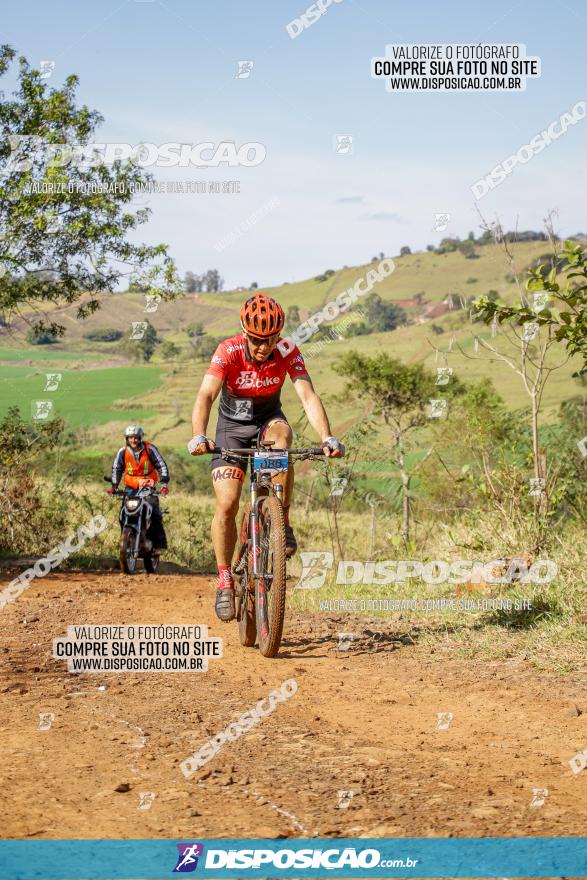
(362, 721)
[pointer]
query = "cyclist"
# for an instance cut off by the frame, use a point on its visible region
(143, 466)
(248, 371)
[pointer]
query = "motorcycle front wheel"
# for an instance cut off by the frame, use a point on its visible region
(128, 558)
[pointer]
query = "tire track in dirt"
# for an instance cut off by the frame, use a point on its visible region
(362, 722)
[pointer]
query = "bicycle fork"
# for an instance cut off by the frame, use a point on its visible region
(255, 530)
(255, 542)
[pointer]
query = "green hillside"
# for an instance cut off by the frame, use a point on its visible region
(163, 392)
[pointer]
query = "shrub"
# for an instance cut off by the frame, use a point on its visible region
(25, 521)
(41, 336)
(104, 334)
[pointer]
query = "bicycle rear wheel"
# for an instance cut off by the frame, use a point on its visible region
(247, 625)
(270, 587)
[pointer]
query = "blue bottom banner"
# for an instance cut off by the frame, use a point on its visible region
(502, 857)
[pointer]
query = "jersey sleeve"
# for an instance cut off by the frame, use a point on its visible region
(159, 463)
(219, 363)
(295, 366)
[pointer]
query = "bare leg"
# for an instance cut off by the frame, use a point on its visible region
(228, 482)
(281, 432)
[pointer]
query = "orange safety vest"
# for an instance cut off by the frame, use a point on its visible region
(135, 470)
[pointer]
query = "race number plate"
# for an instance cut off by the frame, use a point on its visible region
(270, 461)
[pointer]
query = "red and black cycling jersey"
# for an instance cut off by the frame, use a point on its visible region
(252, 391)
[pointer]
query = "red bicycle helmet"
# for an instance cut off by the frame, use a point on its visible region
(262, 316)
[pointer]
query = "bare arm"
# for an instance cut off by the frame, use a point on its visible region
(313, 407)
(209, 391)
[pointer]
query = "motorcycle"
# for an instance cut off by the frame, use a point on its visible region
(135, 518)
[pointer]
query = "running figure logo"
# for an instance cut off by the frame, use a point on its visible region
(315, 567)
(187, 860)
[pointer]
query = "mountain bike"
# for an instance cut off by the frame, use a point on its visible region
(259, 570)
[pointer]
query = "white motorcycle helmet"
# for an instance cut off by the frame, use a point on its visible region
(134, 431)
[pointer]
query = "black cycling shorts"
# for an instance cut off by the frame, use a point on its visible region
(240, 435)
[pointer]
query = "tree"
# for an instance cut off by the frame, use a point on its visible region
(142, 347)
(254, 286)
(404, 251)
(448, 245)
(57, 240)
(567, 317)
(189, 282)
(203, 347)
(213, 282)
(193, 283)
(399, 394)
(532, 329)
(169, 350)
(195, 329)
(468, 250)
(437, 329)
(382, 315)
(419, 298)
(430, 247)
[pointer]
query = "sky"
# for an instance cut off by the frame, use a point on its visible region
(163, 71)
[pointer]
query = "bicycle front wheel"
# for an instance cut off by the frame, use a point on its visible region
(270, 587)
(247, 627)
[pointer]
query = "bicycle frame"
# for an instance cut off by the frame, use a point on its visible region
(261, 479)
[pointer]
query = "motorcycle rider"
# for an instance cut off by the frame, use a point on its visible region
(143, 467)
(248, 371)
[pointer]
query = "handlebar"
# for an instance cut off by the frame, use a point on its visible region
(312, 451)
(120, 494)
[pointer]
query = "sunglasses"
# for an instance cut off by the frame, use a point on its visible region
(259, 340)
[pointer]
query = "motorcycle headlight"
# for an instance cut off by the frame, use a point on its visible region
(132, 503)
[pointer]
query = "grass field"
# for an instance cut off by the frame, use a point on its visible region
(40, 354)
(84, 397)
